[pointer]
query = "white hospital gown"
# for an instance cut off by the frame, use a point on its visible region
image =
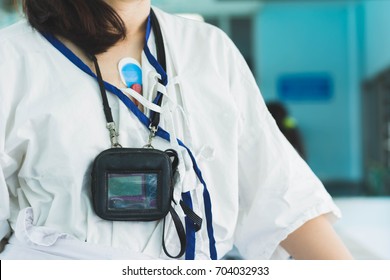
(52, 127)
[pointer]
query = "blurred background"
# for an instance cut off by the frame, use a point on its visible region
(324, 69)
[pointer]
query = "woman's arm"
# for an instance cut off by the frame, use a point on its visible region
(316, 240)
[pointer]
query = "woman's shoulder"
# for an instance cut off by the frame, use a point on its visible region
(192, 40)
(19, 39)
(15, 32)
(187, 30)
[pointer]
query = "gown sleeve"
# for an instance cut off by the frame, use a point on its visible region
(10, 64)
(4, 196)
(278, 190)
(4, 207)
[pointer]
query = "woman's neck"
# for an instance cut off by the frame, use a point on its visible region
(133, 13)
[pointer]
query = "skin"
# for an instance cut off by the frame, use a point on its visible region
(316, 239)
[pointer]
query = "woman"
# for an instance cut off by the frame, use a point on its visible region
(238, 181)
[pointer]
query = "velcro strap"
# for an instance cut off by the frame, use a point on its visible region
(197, 221)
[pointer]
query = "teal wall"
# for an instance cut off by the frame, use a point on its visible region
(377, 36)
(312, 38)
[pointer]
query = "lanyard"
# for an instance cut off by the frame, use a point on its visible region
(159, 64)
(152, 20)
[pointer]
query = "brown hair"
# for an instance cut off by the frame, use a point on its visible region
(90, 24)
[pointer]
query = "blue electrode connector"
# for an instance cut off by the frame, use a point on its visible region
(130, 72)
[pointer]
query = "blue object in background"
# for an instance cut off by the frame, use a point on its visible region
(305, 87)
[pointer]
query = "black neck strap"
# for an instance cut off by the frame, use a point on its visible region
(155, 117)
(106, 105)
